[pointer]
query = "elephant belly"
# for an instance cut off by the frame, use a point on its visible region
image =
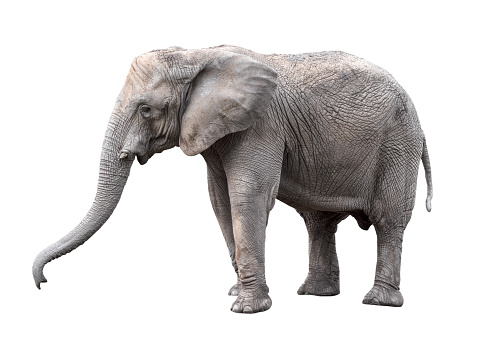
(343, 186)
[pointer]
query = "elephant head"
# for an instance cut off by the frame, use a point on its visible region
(173, 97)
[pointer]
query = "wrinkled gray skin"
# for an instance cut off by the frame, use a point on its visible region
(327, 133)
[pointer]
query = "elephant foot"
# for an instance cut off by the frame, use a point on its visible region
(383, 295)
(320, 286)
(234, 291)
(252, 301)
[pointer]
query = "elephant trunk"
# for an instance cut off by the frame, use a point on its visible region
(113, 175)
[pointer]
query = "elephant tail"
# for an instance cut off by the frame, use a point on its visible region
(427, 170)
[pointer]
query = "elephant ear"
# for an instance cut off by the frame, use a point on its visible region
(229, 94)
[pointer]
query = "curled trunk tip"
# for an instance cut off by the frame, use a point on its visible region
(37, 272)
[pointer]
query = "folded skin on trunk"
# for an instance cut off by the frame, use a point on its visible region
(113, 175)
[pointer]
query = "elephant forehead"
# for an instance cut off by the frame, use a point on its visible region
(137, 95)
(145, 71)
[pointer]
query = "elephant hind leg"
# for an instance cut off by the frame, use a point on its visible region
(390, 215)
(385, 291)
(323, 278)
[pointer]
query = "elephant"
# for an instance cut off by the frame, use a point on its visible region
(327, 133)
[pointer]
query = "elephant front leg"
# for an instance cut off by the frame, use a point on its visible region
(219, 196)
(323, 278)
(253, 172)
(249, 222)
(251, 202)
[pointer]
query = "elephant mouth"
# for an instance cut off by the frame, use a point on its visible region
(143, 159)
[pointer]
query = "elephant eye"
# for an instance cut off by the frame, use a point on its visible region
(145, 111)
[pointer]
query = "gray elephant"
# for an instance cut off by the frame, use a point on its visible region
(327, 133)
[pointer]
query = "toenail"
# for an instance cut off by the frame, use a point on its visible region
(247, 309)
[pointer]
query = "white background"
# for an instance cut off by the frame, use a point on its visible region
(156, 276)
